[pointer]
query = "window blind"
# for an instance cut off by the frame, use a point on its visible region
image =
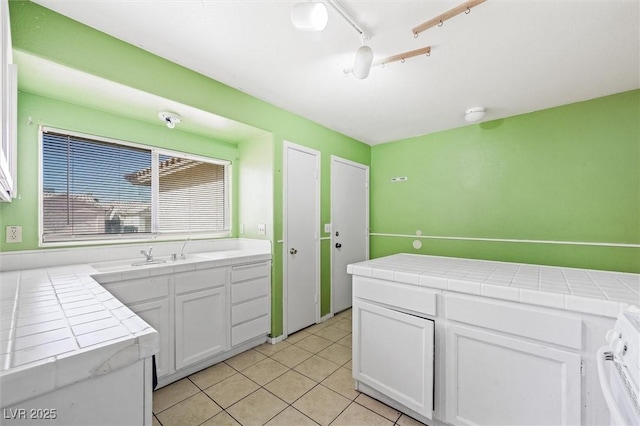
(94, 189)
(192, 196)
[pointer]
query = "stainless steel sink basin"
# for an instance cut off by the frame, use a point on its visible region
(123, 265)
(147, 262)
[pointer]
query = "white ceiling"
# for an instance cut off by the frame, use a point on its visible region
(510, 56)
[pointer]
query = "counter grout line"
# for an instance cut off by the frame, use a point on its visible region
(14, 326)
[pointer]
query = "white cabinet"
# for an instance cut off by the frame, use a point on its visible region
(150, 299)
(393, 354)
(501, 368)
(495, 361)
(8, 109)
(201, 325)
(156, 314)
(250, 301)
(200, 315)
(203, 316)
(498, 380)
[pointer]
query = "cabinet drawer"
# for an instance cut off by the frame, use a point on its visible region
(200, 279)
(249, 330)
(248, 272)
(519, 320)
(249, 310)
(404, 296)
(249, 289)
(138, 290)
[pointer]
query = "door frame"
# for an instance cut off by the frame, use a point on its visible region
(336, 159)
(285, 281)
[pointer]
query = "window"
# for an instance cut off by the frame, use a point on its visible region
(97, 189)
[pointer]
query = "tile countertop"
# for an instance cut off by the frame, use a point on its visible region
(58, 325)
(583, 290)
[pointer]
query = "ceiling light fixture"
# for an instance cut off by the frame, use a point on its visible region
(475, 114)
(399, 57)
(364, 55)
(313, 16)
(362, 62)
(170, 118)
(309, 16)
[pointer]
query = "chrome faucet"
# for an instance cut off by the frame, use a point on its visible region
(148, 254)
(182, 255)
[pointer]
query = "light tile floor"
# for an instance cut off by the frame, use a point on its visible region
(304, 380)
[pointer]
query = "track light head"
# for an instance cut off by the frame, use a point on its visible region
(362, 62)
(309, 16)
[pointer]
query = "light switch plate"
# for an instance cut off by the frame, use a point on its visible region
(14, 234)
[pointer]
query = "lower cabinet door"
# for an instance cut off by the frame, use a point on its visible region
(156, 314)
(393, 354)
(492, 379)
(200, 325)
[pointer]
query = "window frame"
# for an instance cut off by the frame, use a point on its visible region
(154, 235)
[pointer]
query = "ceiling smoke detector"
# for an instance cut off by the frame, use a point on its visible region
(475, 114)
(170, 118)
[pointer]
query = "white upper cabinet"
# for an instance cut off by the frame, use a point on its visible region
(8, 109)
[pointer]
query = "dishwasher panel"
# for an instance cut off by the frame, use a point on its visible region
(393, 354)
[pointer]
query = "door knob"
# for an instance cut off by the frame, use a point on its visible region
(293, 251)
(338, 245)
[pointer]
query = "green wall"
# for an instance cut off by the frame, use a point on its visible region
(569, 174)
(44, 33)
(255, 188)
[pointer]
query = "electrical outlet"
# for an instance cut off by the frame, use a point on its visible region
(14, 234)
(242, 228)
(327, 228)
(262, 229)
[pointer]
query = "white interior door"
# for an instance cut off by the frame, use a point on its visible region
(301, 242)
(349, 225)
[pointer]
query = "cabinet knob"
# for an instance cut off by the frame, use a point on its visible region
(338, 245)
(293, 251)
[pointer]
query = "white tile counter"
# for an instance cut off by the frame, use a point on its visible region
(59, 326)
(582, 290)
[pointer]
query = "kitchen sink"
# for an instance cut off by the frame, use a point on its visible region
(123, 265)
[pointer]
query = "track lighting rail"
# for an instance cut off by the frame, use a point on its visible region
(438, 20)
(342, 12)
(405, 55)
(399, 57)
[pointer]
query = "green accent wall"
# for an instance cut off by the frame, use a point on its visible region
(46, 34)
(255, 188)
(570, 173)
